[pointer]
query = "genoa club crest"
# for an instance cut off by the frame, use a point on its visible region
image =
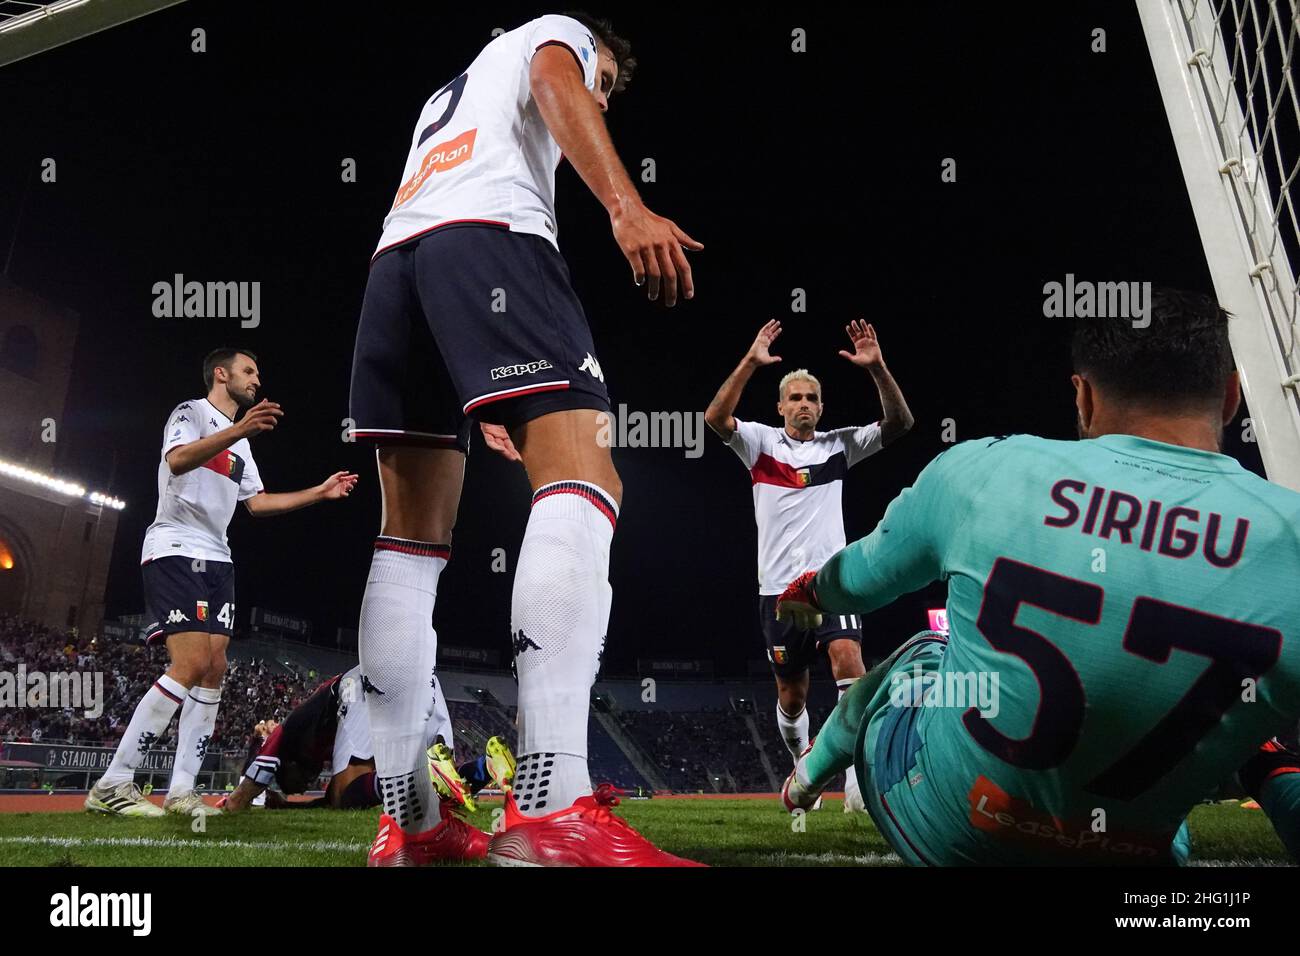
(779, 655)
(201, 610)
(226, 464)
(804, 476)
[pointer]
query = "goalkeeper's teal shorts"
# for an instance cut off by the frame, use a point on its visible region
(906, 781)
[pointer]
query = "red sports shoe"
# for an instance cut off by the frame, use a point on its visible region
(451, 841)
(585, 834)
(392, 847)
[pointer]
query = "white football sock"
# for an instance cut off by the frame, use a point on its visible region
(148, 723)
(559, 616)
(398, 650)
(198, 718)
(794, 730)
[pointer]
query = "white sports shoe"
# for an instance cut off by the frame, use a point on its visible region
(853, 802)
(188, 804)
(124, 800)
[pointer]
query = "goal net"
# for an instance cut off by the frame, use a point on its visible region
(1227, 75)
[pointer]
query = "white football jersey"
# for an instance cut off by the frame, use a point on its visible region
(481, 151)
(797, 494)
(195, 508)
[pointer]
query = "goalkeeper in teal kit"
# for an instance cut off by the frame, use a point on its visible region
(1124, 623)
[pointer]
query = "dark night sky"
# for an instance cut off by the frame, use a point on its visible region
(818, 170)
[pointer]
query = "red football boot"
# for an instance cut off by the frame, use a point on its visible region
(451, 841)
(392, 847)
(585, 834)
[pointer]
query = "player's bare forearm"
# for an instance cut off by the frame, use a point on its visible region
(721, 411)
(190, 456)
(243, 796)
(896, 418)
(337, 485)
(577, 127)
(653, 245)
(266, 504)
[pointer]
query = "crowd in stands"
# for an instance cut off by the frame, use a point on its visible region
(253, 690)
(711, 750)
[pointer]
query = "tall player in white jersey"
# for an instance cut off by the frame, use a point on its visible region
(205, 468)
(797, 475)
(469, 313)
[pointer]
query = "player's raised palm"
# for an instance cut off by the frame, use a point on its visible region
(760, 353)
(866, 347)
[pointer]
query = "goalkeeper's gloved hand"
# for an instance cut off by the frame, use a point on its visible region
(798, 603)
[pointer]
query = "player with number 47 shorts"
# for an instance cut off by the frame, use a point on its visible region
(206, 467)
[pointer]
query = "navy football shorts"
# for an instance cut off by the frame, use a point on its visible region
(469, 321)
(185, 594)
(792, 651)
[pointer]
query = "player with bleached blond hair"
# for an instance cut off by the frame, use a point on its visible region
(797, 474)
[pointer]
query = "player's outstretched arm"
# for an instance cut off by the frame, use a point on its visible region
(896, 419)
(260, 418)
(720, 414)
(264, 504)
(243, 796)
(908, 548)
(651, 244)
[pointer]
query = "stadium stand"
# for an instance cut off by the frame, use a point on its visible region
(255, 689)
(705, 737)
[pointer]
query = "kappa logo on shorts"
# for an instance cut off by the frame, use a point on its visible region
(524, 368)
(589, 364)
(176, 617)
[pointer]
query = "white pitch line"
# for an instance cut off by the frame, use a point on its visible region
(1240, 861)
(317, 846)
(335, 846)
(864, 859)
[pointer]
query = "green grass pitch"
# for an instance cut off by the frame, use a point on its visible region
(743, 832)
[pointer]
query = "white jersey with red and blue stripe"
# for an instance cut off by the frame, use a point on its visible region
(797, 494)
(481, 151)
(194, 509)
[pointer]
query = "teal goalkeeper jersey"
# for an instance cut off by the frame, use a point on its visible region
(1133, 611)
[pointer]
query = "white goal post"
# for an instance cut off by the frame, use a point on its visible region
(1227, 75)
